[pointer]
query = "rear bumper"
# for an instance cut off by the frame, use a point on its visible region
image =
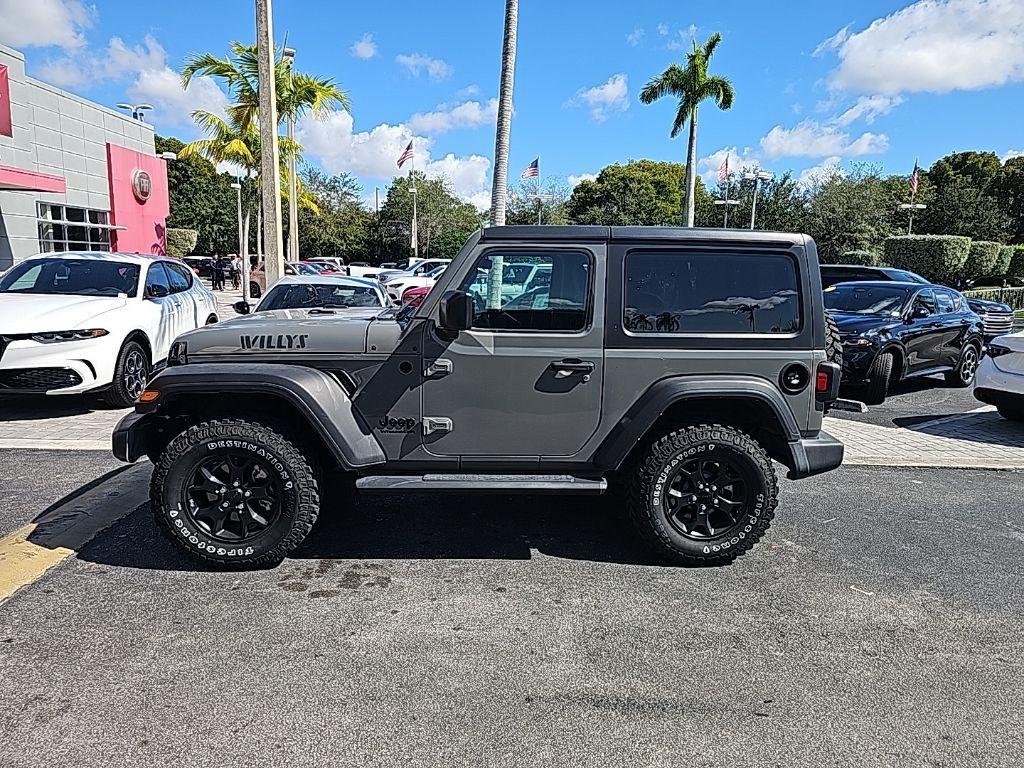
(1000, 398)
(815, 455)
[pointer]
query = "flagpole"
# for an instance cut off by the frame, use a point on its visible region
(415, 233)
(727, 185)
(540, 203)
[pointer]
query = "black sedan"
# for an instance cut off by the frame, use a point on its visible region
(893, 331)
(996, 317)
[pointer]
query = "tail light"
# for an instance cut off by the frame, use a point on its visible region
(826, 382)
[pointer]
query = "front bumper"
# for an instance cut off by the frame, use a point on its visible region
(857, 359)
(129, 438)
(64, 368)
(815, 455)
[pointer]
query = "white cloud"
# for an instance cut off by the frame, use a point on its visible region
(469, 114)
(934, 46)
(576, 179)
(372, 154)
(605, 99)
(739, 160)
(816, 174)
(364, 47)
(834, 42)
(683, 38)
(45, 22)
(867, 108)
(813, 139)
(634, 37)
(663, 29)
(418, 63)
(1012, 153)
(144, 68)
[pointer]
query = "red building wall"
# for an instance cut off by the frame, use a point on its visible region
(144, 219)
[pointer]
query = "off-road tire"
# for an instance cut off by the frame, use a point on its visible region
(647, 511)
(879, 378)
(118, 394)
(833, 345)
(254, 290)
(966, 366)
(1011, 414)
(300, 492)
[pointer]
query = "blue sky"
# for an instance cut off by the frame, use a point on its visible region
(817, 83)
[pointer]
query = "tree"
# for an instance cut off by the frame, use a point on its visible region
(504, 127)
(200, 199)
(641, 192)
(962, 192)
(692, 85)
(444, 221)
(343, 227)
(523, 206)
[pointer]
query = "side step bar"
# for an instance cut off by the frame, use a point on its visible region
(467, 483)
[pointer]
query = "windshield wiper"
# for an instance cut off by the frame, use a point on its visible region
(321, 311)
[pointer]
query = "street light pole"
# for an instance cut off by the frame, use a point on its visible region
(912, 207)
(270, 174)
(242, 255)
(293, 203)
(726, 203)
(136, 110)
(757, 178)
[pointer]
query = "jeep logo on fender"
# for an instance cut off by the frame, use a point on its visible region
(280, 341)
(391, 424)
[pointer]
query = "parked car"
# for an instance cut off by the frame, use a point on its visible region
(334, 261)
(362, 269)
(324, 267)
(996, 318)
(79, 322)
(258, 276)
(1000, 379)
(416, 268)
(415, 296)
(330, 293)
(397, 286)
(201, 265)
(892, 331)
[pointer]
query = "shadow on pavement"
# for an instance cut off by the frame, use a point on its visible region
(415, 527)
(985, 427)
(37, 407)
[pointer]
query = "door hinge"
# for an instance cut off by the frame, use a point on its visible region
(432, 424)
(440, 367)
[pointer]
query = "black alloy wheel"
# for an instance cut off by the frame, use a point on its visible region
(232, 496)
(706, 498)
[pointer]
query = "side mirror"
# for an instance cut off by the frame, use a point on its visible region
(156, 291)
(457, 311)
(919, 312)
(242, 307)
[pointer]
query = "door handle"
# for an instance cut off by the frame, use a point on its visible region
(565, 368)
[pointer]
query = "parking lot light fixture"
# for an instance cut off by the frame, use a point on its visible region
(135, 109)
(757, 177)
(726, 203)
(913, 208)
(168, 155)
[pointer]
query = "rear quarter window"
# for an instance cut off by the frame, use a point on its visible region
(683, 293)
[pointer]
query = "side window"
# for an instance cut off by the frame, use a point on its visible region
(507, 300)
(926, 299)
(156, 278)
(946, 302)
(179, 280)
(692, 292)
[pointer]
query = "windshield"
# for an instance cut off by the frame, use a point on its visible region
(322, 295)
(863, 299)
(73, 277)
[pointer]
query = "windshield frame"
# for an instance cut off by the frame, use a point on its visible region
(329, 284)
(853, 287)
(17, 271)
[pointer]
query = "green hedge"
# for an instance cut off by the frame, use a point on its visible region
(937, 257)
(1003, 264)
(1016, 268)
(865, 258)
(982, 259)
(180, 242)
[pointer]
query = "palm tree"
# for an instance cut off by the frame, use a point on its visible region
(501, 140)
(691, 85)
(297, 93)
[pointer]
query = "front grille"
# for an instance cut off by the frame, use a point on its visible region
(38, 379)
(997, 322)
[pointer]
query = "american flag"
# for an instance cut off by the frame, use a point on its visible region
(405, 156)
(532, 170)
(914, 179)
(723, 171)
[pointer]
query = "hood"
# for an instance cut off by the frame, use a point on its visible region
(853, 324)
(1014, 341)
(38, 312)
(981, 305)
(287, 331)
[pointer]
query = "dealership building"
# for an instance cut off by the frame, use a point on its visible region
(74, 175)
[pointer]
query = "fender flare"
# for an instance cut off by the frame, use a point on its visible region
(316, 396)
(661, 395)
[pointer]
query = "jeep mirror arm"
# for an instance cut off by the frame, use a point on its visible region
(456, 311)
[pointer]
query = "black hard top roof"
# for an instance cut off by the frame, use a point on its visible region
(680, 234)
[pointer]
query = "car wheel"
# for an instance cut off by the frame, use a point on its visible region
(833, 344)
(966, 368)
(234, 493)
(703, 495)
(1012, 414)
(254, 291)
(879, 376)
(131, 373)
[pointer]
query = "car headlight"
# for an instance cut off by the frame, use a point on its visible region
(178, 354)
(56, 336)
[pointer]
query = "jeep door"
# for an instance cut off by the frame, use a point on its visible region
(525, 380)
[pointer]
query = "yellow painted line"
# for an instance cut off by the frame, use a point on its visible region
(32, 550)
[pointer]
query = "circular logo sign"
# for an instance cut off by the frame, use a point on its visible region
(142, 185)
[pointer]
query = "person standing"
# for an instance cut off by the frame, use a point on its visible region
(236, 271)
(217, 278)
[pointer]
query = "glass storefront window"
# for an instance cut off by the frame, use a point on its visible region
(54, 237)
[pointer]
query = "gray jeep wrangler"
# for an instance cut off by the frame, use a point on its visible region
(669, 366)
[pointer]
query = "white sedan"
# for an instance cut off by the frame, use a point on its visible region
(78, 322)
(353, 295)
(1000, 377)
(397, 286)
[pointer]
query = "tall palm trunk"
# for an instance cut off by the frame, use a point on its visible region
(503, 131)
(691, 168)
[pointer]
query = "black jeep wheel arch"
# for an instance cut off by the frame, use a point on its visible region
(313, 396)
